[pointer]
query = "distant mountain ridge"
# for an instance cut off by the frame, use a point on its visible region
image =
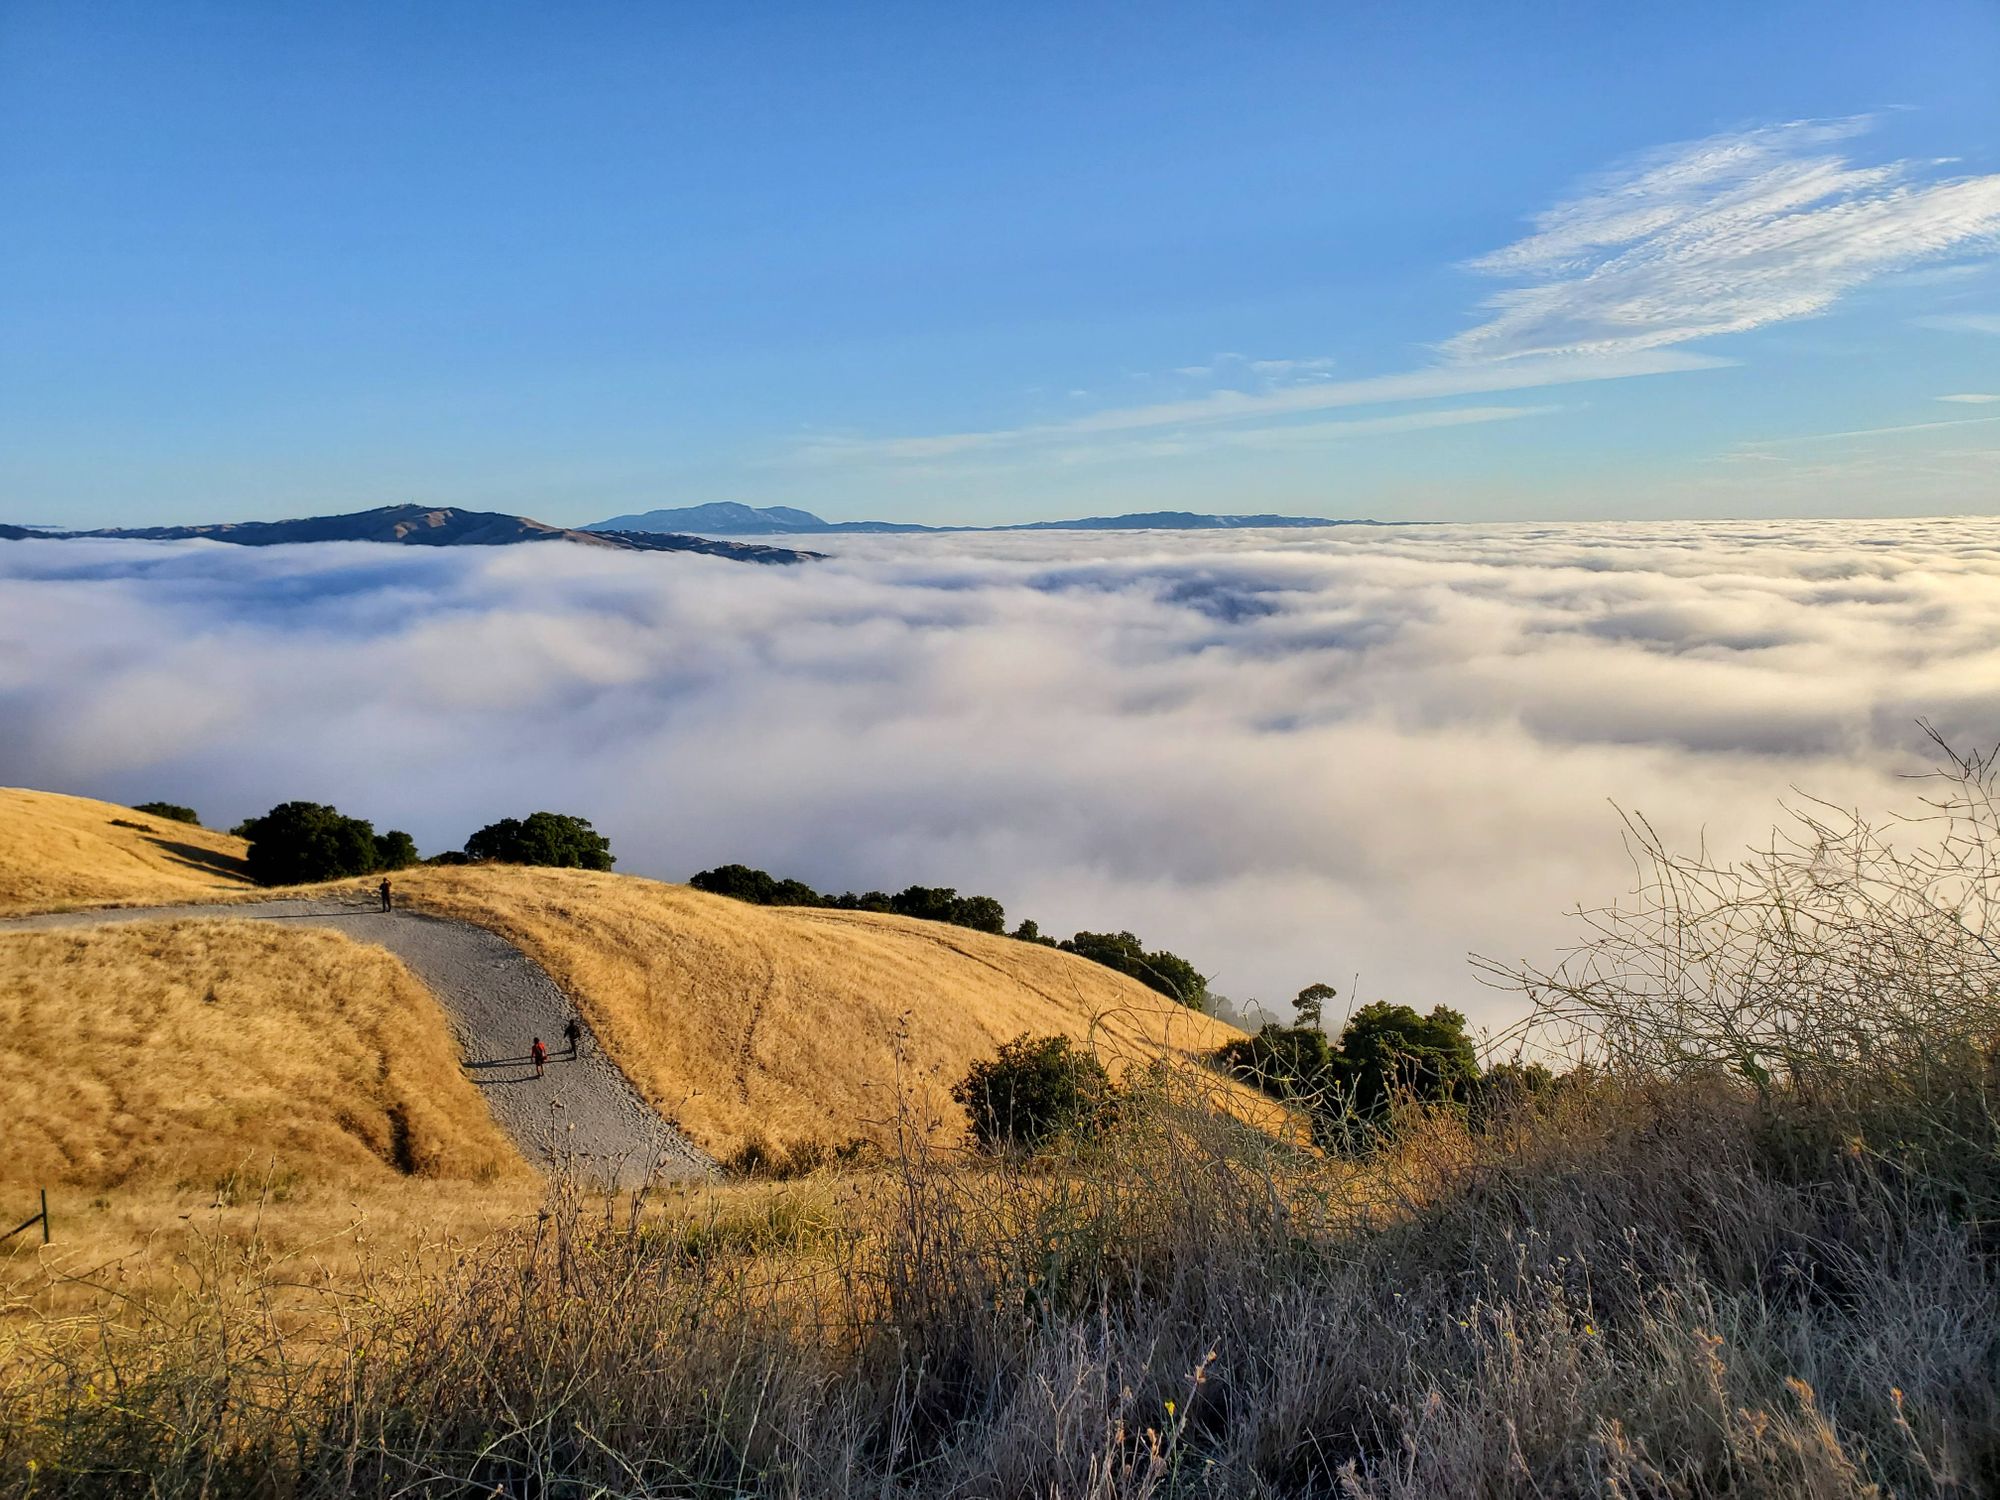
(427, 526)
(725, 518)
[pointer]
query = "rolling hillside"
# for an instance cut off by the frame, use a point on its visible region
(748, 1027)
(194, 1053)
(58, 851)
(781, 1025)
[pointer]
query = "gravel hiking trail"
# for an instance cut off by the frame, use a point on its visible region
(583, 1115)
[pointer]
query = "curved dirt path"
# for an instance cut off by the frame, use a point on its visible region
(584, 1113)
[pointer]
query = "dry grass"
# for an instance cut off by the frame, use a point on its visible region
(760, 1031)
(58, 851)
(202, 1052)
(1635, 1295)
(775, 1027)
(1655, 1280)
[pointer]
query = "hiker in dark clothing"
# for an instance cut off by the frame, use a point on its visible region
(383, 891)
(573, 1034)
(540, 1054)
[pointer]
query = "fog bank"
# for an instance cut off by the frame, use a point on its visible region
(1287, 756)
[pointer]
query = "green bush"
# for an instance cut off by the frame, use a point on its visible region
(173, 812)
(1288, 1062)
(298, 842)
(543, 838)
(1037, 1091)
(1385, 1053)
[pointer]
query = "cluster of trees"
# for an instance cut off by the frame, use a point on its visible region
(299, 842)
(543, 838)
(173, 812)
(1158, 969)
(932, 903)
(1384, 1054)
(1040, 1091)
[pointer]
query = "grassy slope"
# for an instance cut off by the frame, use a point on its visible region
(58, 851)
(781, 1025)
(746, 1025)
(183, 1053)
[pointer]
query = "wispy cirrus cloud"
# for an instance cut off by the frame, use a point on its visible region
(1963, 322)
(1721, 236)
(1972, 398)
(1692, 241)
(1286, 402)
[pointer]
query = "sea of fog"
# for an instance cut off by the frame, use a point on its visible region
(1288, 756)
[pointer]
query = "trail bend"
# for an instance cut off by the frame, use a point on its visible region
(584, 1113)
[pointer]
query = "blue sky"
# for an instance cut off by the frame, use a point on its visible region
(982, 264)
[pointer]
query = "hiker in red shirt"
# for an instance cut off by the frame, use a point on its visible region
(540, 1054)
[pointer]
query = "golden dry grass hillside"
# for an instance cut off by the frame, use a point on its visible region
(185, 1053)
(778, 1026)
(58, 851)
(750, 1027)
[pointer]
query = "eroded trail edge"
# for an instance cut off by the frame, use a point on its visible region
(583, 1114)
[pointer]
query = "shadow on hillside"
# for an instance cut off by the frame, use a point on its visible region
(197, 858)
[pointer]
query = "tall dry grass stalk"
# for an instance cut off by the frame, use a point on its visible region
(1844, 944)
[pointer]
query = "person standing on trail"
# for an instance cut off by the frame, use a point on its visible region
(383, 891)
(573, 1034)
(540, 1056)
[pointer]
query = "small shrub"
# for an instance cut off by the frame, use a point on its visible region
(1037, 1091)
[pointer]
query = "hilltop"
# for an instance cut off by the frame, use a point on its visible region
(425, 526)
(58, 852)
(763, 1030)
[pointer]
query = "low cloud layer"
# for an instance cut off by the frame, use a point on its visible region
(1289, 757)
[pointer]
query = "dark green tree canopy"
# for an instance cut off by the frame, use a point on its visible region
(395, 850)
(1311, 1003)
(738, 881)
(543, 838)
(930, 903)
(1384, 1053)
(1039, 1089)
(297, 842)
(1389, 1049)
(1166, 972)
(1169, 973)
(173, 812)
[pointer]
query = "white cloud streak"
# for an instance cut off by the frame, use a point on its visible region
(1962, 322)
(1289, 756)
(1973, 398)
(1290, 401)
(1721, 236)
